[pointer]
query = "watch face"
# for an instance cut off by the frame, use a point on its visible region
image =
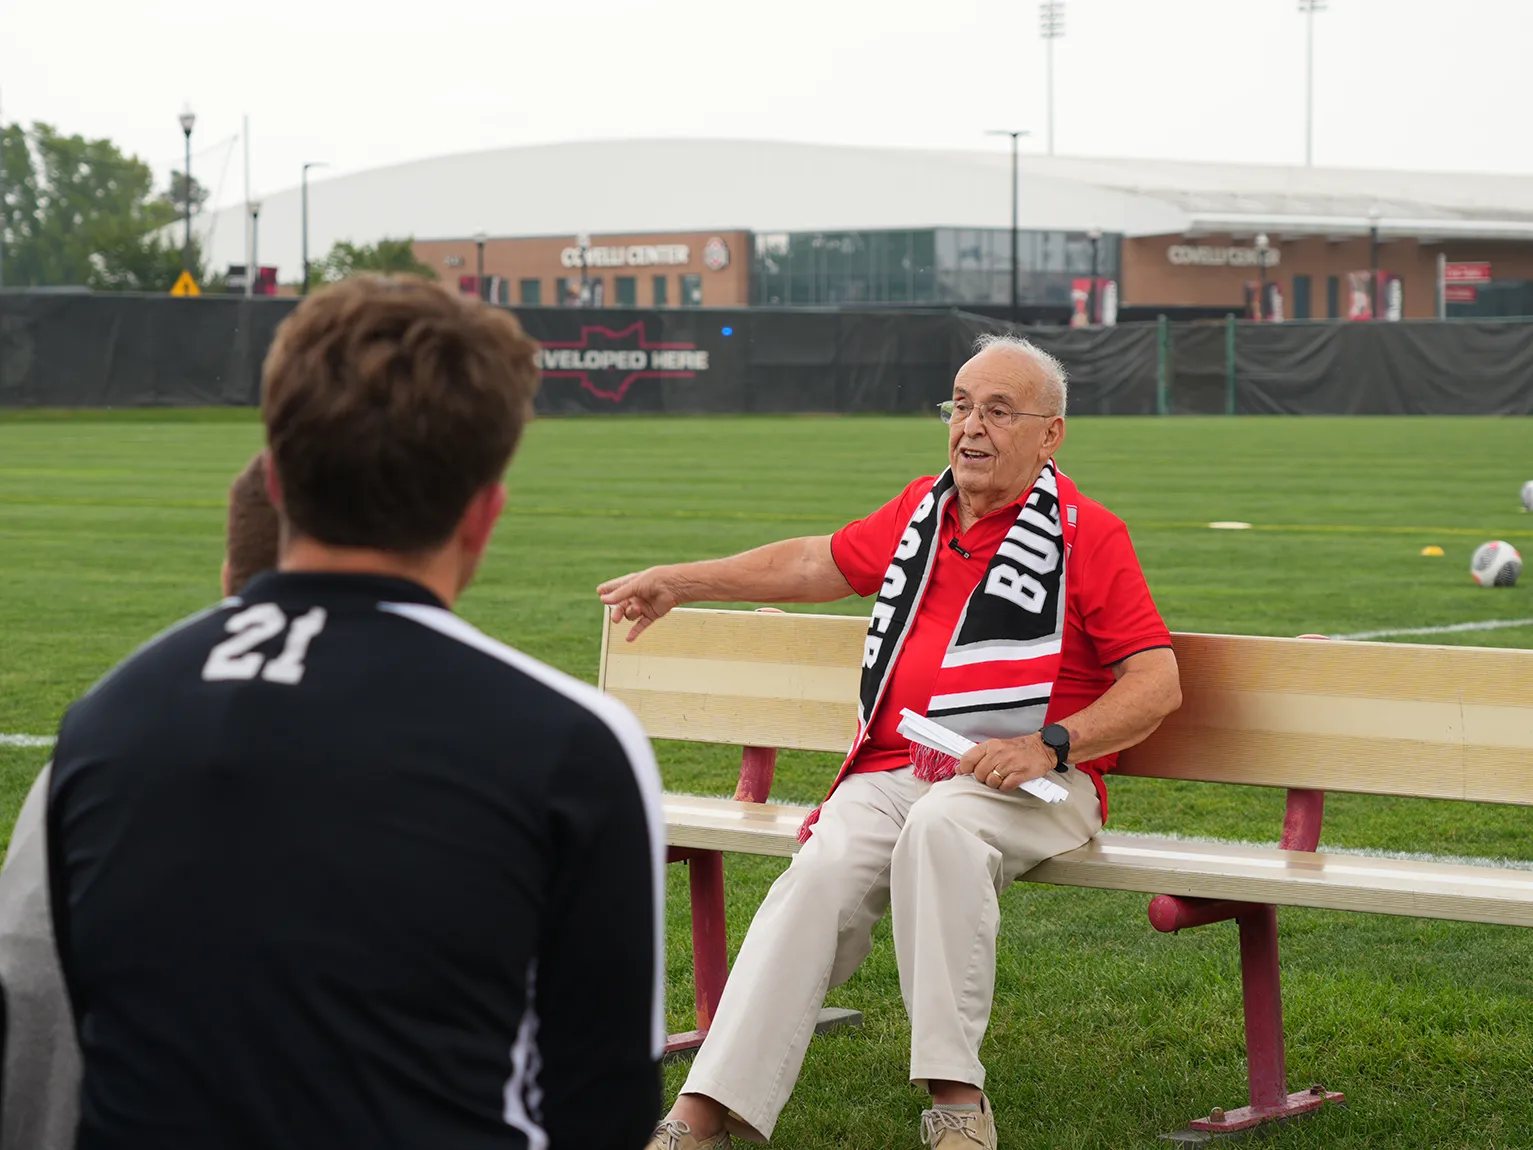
(1055, 736)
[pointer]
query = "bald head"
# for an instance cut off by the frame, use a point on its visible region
(1044, 374)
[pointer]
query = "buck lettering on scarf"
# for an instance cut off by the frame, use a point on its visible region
(1004, 600)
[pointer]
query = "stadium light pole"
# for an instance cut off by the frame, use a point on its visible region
(1051, 26)
(255, 246)
(1015, 134)
(188, 119)
(479, 239)
(1262, 244)
(1309, 8)
(1373, 263)
(305, 182)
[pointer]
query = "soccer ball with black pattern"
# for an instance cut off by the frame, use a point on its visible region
(1495, 564)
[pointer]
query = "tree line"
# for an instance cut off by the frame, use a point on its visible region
(79, 212)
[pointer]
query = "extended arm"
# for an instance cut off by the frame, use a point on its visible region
(791, 571)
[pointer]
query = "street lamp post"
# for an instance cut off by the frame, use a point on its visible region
(1095, 235)
(1262, 245)
(1373, 263)
(1015, 134)
(255, 248)
(311, 164)
(479, 239)
(583, 242)
(188, 119)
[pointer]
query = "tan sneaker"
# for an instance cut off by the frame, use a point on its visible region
(959, 1129)
(674, 1134)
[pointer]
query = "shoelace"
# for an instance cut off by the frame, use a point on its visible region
(671, 1129)
(934, 1122)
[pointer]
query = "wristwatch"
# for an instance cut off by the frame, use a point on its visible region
(1057, 739)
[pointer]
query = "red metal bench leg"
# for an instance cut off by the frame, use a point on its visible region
(1261, 986)
(1266, 1066)
(705, 876)
(1260, 983)
(710, 953)
(757, 765)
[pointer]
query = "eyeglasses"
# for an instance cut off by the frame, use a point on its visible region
(994, 414)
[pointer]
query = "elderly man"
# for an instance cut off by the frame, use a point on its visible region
(1011, 609)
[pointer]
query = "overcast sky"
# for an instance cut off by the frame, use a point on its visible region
(1399, 83)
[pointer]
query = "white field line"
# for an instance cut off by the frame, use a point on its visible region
(26, 740)
(1447, 629)
(1365, 852)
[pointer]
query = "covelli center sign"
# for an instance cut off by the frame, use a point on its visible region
(632, 256)
(1215, 256)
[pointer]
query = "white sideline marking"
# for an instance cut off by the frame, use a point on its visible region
(1365, 852)
(26, 740)
(1447, 629)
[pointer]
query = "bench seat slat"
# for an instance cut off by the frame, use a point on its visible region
(725, 825)
(1168, 866)
(1295, 878)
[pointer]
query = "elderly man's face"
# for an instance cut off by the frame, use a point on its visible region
(989, 460)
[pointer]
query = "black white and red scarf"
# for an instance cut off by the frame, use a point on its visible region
(998, 672)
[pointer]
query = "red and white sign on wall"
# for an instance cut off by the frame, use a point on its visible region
(1469, 273)
(1460, 292)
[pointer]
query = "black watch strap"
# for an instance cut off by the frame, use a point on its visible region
(1056, 737)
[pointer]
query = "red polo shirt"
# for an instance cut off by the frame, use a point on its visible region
(1109, 614)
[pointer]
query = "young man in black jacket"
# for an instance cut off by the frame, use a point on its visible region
(326, 866)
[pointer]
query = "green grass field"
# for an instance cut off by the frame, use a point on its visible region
(1105, 1033)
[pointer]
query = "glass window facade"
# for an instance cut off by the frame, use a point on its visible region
(691, 291)
(662, 291)
(1301, 303)
(934, 266)
(627, 291)
(531, 293)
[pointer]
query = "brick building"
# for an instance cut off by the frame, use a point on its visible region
(675, 223)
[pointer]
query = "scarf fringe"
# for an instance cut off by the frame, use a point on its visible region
(931, 766)
(806, 828)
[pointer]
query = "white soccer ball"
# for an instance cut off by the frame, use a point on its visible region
(1527, 495)
(1495, 564)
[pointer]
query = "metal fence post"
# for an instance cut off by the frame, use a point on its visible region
(1229, 365)
(1162, 365)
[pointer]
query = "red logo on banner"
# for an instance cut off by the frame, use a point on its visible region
(1460, 293)
(617, 358)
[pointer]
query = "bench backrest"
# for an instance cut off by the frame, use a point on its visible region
(1374, 718)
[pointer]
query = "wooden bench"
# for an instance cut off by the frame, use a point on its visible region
(1370, 718)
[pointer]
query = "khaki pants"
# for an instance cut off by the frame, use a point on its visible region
(944, 852)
